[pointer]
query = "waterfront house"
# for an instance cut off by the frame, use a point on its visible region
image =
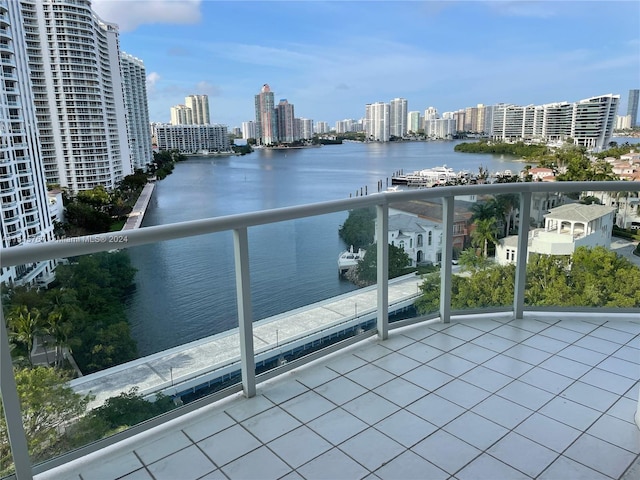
(565, 228)
(419, 238)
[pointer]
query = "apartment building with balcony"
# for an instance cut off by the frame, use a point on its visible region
(191, 139)
(24, 209)
(76, 80)
(589, 122)
(134, 82)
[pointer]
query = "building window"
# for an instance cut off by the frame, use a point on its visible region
(411, 243)
(429, 239)
(401, 245)
(419, 241)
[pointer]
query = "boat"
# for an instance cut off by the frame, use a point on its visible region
(349, 258)
(429, 177)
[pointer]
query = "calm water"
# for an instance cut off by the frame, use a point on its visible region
(186, 288)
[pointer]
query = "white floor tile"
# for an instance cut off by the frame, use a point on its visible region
(485, 467)
(308, 406)
(270, 424)
(435, 409)
(548, 432)
(501, 411)
(493, 342)
(207, 426)
(523, 454)
(410, 466)
(282, 391)
(162, 447)
(427, 378)
(618, 432)
(248, 407)
(397, 363)
(462, 393)
(451, 365)
(524, 394)
(446, 451)
(340, 390)
(187, 464)
(400, 392)
(112, 468)
(600, 455)
(369, 376)
(565, 468)
(590, 396)
(487, 379)
(608, 381)
(371, 448)
(228, 445)
(337, 426)
(570, 413)
(546, 380)
(406, 428)
(261, 463)
(332, 465)
(370, 408)
(476, 430)
(299, 446)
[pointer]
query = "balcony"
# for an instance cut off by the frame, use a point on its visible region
(526, 393)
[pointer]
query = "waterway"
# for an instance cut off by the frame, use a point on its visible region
(186, 288)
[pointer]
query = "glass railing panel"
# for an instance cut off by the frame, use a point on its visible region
(415, 257)
(305, 292)
(6, 458)
(121, 337)
(581, 254)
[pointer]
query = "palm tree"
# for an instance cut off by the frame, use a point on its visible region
(24, 325)
(59, 329)
(483, 210)
(486, 231)
(506, 205)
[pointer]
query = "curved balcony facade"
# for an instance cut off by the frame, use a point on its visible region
(506, 392)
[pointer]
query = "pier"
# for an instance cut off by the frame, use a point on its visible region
(134, 219)
(196, 365)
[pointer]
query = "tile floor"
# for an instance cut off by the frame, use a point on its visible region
(490, 398)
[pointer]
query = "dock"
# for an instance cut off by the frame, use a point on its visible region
(134, 219)
(188, 367)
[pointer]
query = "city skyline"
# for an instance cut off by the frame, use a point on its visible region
(329, 62)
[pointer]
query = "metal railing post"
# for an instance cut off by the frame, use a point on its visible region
(245, 313)
(447, 256)
(523, 245)
(382, 235)
(11, 405)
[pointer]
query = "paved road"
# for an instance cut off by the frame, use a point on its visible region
(625, 248)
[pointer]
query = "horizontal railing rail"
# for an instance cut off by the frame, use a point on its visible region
(239, 224)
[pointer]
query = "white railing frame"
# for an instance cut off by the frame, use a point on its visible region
(239, 225)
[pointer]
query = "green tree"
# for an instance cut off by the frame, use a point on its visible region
(358, 228)
(24, 325)
(48, 406)
(470, 261)
(486, 232)
(399, 263)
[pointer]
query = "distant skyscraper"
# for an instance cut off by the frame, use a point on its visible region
(266, 125)
(322, 127)
(306, 128)
(181, 115)
(377, 121)
(74, 59)
(199, 105)
(249, 130)
(285, 120)
(134, 85)
(632, 106)
(398, 117)
(413, 122)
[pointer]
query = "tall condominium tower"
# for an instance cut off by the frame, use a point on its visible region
(588, 122)
(24, 214)
(398, 117)
(199, 105)
(632, 106)
(249, 130)
(181, 115)
(377, 121)
(413, 122)
(75, 75)
(266, 125)
(306, 128)
(285, 119)
(134, 83)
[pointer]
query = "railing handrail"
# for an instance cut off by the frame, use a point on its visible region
(76, 246)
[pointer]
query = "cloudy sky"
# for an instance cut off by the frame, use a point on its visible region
(330, 58)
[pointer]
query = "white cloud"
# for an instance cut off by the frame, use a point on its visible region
(130, 14)
(206, 88)
(152, 79)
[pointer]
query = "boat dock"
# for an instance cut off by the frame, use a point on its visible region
(134, 219)
(188, 367)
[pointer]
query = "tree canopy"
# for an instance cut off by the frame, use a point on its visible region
(595, 277)
(358, 228)
(399, 263)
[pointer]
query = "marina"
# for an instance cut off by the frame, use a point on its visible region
(432, 177)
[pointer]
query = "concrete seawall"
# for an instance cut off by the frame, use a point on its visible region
(136, 216)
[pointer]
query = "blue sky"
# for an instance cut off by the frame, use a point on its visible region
(331, 58)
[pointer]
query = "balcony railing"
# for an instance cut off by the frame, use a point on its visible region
(239, 226)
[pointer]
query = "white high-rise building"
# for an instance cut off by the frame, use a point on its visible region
(24, 213)
(306, 128)
(199, 105)
(75, 76)
(134, 83)
(588, 122)
(377, 121)
(398, 117)
(322, 127)
(249, 129)
(181, 115)
(192, 138)
(413, 122)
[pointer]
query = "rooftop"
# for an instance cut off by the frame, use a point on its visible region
(551, 396)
